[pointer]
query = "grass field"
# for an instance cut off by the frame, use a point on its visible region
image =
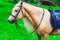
(9, 32)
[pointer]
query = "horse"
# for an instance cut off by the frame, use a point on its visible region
(37, 16)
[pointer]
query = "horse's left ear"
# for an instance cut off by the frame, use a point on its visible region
(21, 2)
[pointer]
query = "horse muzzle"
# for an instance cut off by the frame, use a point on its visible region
(12, 21)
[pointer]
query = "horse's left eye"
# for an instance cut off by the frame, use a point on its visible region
(16, 10)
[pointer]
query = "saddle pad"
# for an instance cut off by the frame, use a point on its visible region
(53, 25)
(56, 16)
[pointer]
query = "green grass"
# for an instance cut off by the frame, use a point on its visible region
(9, 32)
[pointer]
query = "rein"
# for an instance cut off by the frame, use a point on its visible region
(39, 23)
(17, 25)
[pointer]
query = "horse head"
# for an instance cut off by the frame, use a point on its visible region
(17, 13)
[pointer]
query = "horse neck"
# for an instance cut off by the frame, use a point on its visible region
(28, 16)
(34, 13)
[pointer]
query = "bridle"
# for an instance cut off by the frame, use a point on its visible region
(17, 26)
(20, 10)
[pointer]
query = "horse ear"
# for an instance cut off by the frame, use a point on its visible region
(21, 1)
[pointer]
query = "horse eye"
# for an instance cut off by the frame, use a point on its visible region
(16, 10)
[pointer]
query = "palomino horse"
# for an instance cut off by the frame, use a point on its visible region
(38, 17)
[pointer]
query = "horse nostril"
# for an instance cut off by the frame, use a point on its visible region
(11, 21)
